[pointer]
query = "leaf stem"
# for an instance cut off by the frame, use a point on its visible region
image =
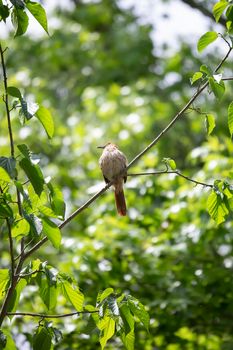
(32, 314)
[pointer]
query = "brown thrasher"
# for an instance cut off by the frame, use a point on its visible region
(113, 164)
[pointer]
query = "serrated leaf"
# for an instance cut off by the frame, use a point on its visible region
(48, 293)
(138, 310)
(16, 295)
(5, 211)
(128, 340)
(57, 202)
(45, 117)
(230, 118)
(35, 224)
(219, 8)
(39, 13)
(103, 295)
(196, 76)
(21, 228)
(216, 207)
(206, 39)
(34, 174)
(25, 151)
(107, 326)
(19, 19)
(127, 318)
(14, 92)
(4, 175)
(52, 232)
(42, 339)
(4, 281)
(217, 88)
(74, 296)
(9, 164)
(113, 306)
(210, 123)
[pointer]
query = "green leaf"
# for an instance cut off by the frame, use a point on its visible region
(57, 202)
(230, 118)
(34, 174)
(128, 340)
(217, 88)
(39, 13)
(196, 76)
(103, 295)
(48, 293)
(139, 310)
(127, 318)
(4, 175)
(26, 113)
(46, 120)
(107, 326)
(25, 151)
(113, 306)
(42, 339)
(47, 211)
(4, 12)
(13, 91)
(5, 211)
(210, 123)
(205, 69)
(20, 21)
(18, 4)
(21, 228)
(52, 232)
(206, 39)
(10, 344)
(3, 340)
(35, 224)
(219, 8)
(74, 296)
(16, 295)
(217, 207)
(9, 164)
(4, 281)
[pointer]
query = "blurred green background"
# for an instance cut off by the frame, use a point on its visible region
(103, 79)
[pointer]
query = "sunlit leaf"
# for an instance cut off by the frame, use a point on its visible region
(74, 296)
(139, 310)
(20, 21)
(206, 39)
(4, 280)
(52, 232)
(230, 118)
(9, 164)
(16, 295)
(219, 8)
(21, 228)
(45, 117)
(103, 295)
(107, 326)
(210, 123)
(196, 76)
(39, 13)
(34, 174)
(217, 207)
(217, 88)
(4, 175)
(48, 293)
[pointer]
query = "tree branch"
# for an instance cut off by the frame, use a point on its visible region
(32, 314)
(172, 172)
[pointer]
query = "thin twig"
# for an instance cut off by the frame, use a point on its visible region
(224, 58)
(11, 249)
(32, 314)
(176, 172)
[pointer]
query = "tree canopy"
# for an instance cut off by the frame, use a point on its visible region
(159, 278)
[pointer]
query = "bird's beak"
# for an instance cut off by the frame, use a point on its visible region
(100, 147)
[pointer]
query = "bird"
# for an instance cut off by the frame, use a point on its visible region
(113, 164)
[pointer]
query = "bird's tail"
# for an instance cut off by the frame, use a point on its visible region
(120, 201)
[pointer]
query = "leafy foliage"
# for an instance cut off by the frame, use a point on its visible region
(141, 282)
